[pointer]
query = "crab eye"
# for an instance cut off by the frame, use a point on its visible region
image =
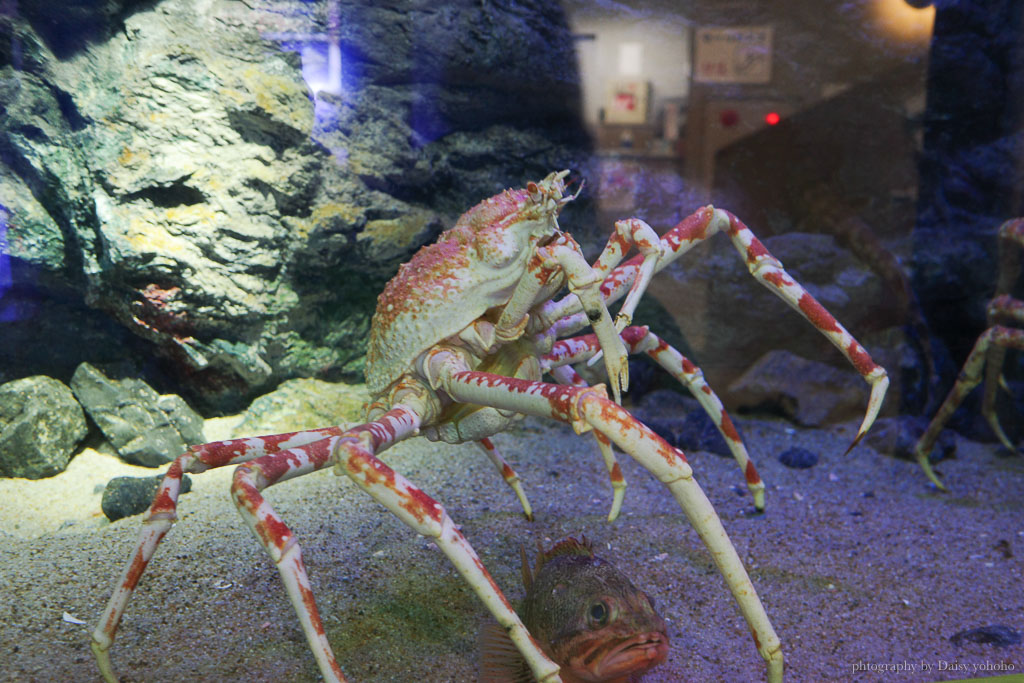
(534, 191)
(598, 614)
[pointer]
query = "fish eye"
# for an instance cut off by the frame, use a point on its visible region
(598, 613)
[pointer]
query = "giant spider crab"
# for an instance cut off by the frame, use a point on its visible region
(989, 351)
(460, 340)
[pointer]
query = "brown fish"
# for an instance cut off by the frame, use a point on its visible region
(587, 616)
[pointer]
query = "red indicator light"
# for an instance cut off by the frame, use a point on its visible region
(771, 118)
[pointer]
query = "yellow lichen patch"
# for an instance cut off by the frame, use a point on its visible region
(395, 231)
(331, 214)
(190, 214)
(130, 157)
(283, 98)
(334, 211)
(147, 236)
(235, 95)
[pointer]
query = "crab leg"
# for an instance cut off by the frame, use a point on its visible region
(163, 513)
(589, 408)
(356, 457)
(566, 375)
(507, 473)
(765, 268)
(1001, 309)
(642, 340)
(635, 232)
(969, 377)
(989, 350)
(585, 283)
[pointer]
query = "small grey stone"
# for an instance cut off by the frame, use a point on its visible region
(994, 634)
(798, 458)
(127, 496)
(40, 425)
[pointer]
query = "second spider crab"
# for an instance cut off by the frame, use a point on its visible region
(460, 341)
(988, 353)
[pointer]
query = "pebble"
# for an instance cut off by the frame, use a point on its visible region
(994, 634)
(798, 458)
(127, 496)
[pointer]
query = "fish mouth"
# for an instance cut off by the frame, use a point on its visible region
(632, 656)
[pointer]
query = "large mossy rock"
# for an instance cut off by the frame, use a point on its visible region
(165, 163)
(40, 425)
(146, 428)
(303, 404)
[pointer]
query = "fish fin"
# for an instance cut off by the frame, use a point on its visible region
(500, 661)
(567, 546)
(527, 576)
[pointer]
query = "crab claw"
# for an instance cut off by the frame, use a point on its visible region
(617, 366)
(879, 381)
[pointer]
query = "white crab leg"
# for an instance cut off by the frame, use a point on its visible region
(585, 284)
(589, 408)
(563, 315)
(355, 457)
(566, 375)
(507, 473)
(163, 513)
(642, 340)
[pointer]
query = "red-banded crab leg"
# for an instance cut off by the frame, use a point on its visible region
(272, 459)
(639, 339)
(507, 473)
(307, 447)
(589, 408)
(632, 232)
(563, 315)
(566, 375)
(355, 455)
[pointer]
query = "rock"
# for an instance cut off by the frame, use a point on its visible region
(995, 634)
(664, 403)
(681, 421)
(303, 404)
(806, 391)
(146, 428)
(897, 436)
(666, 429)
(798, 458)
(249, 249)
(127, 496)
(700, 433)
(40, 425)
(730, 321)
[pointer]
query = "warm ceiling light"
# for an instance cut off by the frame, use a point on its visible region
(902, 22)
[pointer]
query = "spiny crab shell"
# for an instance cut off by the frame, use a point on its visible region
(473, 267)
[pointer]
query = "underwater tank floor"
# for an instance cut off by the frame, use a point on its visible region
(858, 561)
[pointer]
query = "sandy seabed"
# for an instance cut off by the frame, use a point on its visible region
(865, 570)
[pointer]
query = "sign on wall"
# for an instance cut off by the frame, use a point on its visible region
(734, 54)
